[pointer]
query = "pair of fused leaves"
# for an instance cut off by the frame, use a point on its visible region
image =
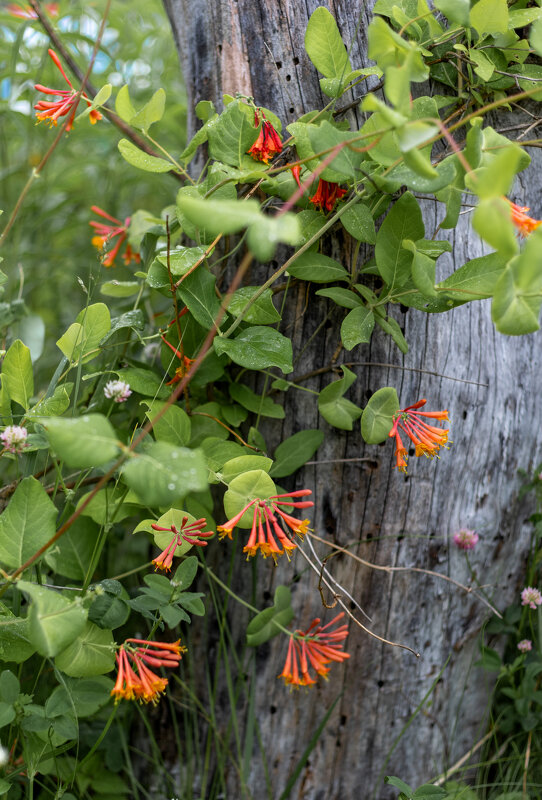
(58, 627)
(376, 417)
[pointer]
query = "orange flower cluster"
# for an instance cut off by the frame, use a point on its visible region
(524, 224)
(136, 681)
(326, 195)
(313, 648)
(268, 144)
(265, 514)
(51, 110)
(105, 233)
(191, 533)
(427, 438)
(26, 12)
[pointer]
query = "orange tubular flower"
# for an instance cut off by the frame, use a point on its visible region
(105, 233)
(268, 144)
(427, 439)
(296, 172)
(265, 524)
(524, 224)
(186, 362)
(326, 195)
(315, 647)
(51, 110)
(189, 533)
(26, 12)
(142, 683)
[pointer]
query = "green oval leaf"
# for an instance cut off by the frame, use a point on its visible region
(53, 620)
(377, 417)
(174, 425)
(359, 223)
(256, 348)
(15, 644)
(17, 377)
(258, 404)
(163, 473)
(92, 653)
(251, 485)
(317, 268)
(261, 312)
(86, 441)
(334, 408)
(324, 45)
(294, 451)
(72, 554)
(81, 340)
(138, 158)
(357, 327)
(404, 221)
(27, 523)
(265, 624)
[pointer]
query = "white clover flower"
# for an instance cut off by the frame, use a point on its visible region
(118, 391)
(14, 438)
(531, 597)
(465, 539)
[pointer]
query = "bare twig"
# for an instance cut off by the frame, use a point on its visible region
(323, 370)
(352, 617)
(384, 568)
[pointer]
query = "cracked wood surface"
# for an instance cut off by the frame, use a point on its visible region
(256, 47)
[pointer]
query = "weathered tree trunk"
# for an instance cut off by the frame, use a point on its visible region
(490, 385)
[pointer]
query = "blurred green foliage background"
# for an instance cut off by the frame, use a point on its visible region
(48, 255)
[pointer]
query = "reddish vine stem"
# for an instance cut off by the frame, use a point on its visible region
(147, 428)
(199, 261)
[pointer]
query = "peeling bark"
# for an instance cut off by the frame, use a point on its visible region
(457, 360)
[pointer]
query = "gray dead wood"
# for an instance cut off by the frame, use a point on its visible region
(256, 47)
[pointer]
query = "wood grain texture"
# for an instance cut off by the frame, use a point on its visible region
(256, 46)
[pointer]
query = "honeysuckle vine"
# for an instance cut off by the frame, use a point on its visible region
(152, 415)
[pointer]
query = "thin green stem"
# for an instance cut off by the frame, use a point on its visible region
(281, 270)
(240, 600)
(169, 157)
